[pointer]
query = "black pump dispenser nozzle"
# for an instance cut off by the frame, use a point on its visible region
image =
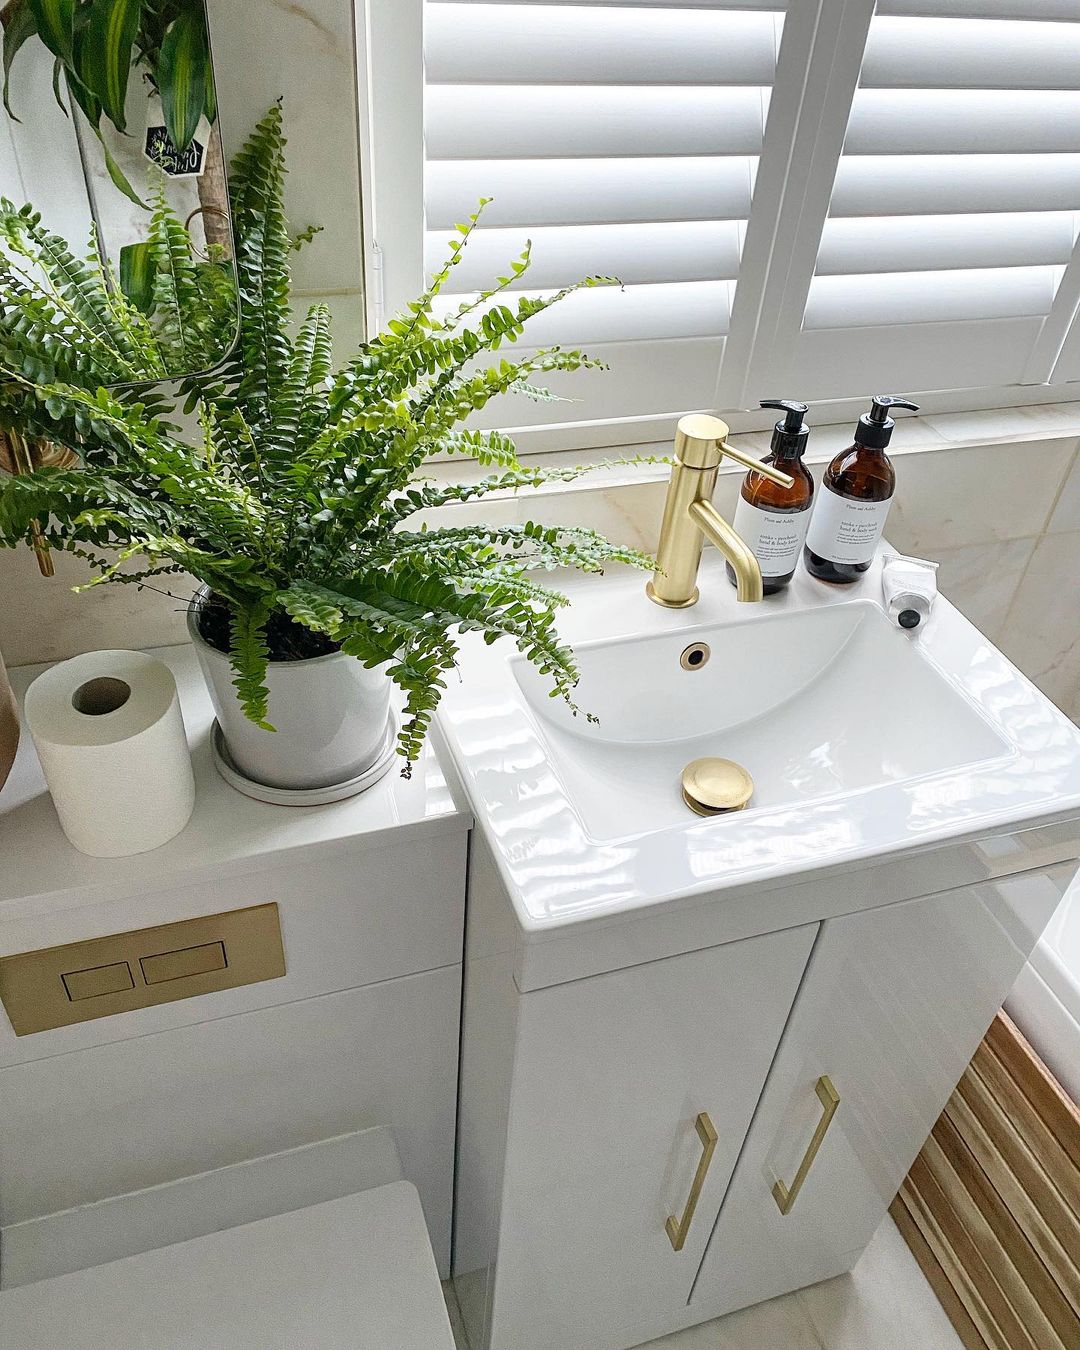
(791, 433)
(875, 428)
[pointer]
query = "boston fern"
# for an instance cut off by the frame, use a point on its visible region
(295, 502)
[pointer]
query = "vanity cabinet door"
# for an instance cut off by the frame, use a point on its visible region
(894, 1003)
(611, 1076)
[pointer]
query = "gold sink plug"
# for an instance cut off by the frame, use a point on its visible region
(690, 517)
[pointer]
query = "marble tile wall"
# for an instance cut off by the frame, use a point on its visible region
(1004, 522)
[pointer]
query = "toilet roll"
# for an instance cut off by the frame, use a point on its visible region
(110, 737)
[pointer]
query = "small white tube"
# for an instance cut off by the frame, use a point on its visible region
(909, 586)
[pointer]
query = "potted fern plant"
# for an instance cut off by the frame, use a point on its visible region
(294, 506)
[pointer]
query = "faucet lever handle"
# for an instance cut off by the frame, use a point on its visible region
(749, 462)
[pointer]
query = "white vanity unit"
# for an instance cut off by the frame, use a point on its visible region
(699, 1055)
(360, 1031)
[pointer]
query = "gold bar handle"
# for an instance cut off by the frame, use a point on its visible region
(830, 1099)
(677, 1228)
(749, 462)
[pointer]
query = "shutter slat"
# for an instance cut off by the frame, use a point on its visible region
(592, 191)
(921, 297)
(983, 9)
(893, 185)
(912, 121)
(608, 314)
(958, 54)
(694, 251)
(510, 122)
(949, 243)
(577, 44)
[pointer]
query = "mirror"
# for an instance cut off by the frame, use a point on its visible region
(110, 134)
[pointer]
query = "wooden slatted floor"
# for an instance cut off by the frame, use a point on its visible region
(991, 1206)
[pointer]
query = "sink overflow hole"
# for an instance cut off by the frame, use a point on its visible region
(695, 656)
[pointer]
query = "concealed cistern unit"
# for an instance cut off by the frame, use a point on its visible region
(690, 517)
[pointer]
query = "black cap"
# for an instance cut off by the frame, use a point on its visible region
(875, 428)
(789, 435)
(909, 618)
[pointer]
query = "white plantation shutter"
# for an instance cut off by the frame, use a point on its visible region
(621, 139)
(816, 200)
(944, 258)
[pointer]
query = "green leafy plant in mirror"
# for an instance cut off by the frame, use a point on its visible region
(68, 319)
(96, 44)
(297, 502)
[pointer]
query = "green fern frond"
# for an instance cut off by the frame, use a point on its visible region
(420, 498)
(313, 607)
(249, 657)
(486, 447)
(263, 278)
(301, 404)
(176, 288)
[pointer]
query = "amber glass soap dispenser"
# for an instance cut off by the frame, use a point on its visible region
(773, 519)
(856, 493)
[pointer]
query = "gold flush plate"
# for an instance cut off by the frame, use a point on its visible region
(59, 986)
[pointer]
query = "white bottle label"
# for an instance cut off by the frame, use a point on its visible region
(844, 530)
(776, 537)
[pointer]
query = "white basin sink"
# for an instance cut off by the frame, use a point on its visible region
(818, 702)
(863, 739)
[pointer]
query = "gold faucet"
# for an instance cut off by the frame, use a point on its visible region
(690, 517)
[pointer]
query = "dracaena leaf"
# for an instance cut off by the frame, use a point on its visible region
(117, 174)
(181, 74)
(85, 97)
(58, 86)
(104, 51)
(210, 103)
(20, 23)
(56, 25)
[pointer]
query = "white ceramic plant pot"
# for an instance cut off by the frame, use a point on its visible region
(330, 714)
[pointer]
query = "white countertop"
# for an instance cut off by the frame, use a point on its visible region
(560, 871)
(228, 833)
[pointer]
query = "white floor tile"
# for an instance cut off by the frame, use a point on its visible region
(456, 1324)
(780, 1324)
(884, 1304)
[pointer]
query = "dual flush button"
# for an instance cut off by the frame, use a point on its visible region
(158, 969)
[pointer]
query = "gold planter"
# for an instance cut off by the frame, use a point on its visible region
(19, 455)
(9, 725)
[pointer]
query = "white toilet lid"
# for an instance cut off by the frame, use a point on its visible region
(350, 1273)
